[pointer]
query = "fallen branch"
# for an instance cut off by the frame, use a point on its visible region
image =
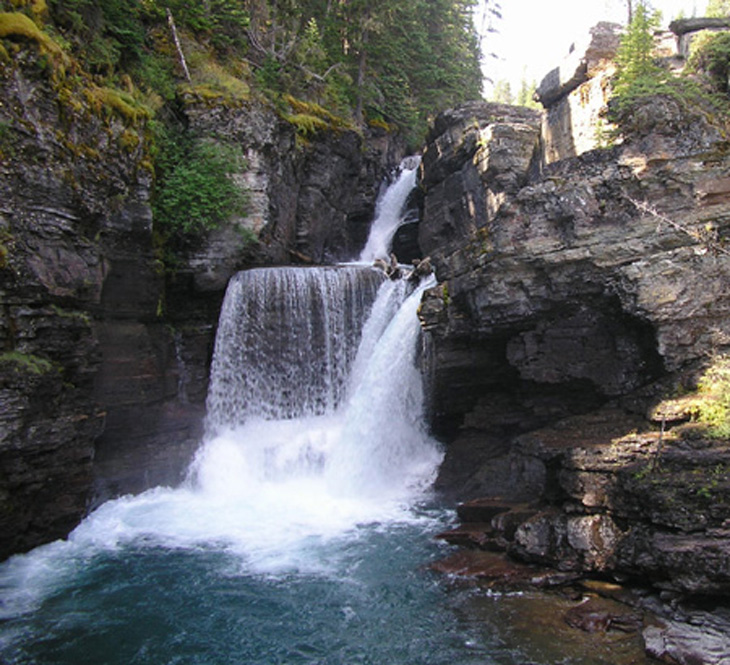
(706, 235)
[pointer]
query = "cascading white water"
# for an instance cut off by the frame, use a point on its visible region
(315, 448)
(294, 407)
(309, 437)
(298, 536)
(384, 446)
(389, 211)
(285, 342)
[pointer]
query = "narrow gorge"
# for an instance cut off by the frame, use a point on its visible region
(264, 414)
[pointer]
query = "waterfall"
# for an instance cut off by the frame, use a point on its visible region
(389, 211)
(384, 445)
(306, 389)
(285, 342)
(315, 442)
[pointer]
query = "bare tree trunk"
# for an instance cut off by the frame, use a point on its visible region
(175, 38)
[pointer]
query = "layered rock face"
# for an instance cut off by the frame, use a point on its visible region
(573, 298)
(105, 354)
(553, 280)
(58, 208)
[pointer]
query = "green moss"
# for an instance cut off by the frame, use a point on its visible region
(379, 123)
(26, 363)
(103, 100)
(309, 118)
(14, 25)
(72, 314)
(306, 124)
(129, 140)
(445, 293)
(213, 82)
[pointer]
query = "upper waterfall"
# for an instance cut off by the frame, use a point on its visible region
(389, 211)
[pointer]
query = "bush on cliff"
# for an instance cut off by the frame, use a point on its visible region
(195, 191)
(642, 82)
(711, 57)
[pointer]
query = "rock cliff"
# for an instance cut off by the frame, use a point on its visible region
(575, 299)
(105, 352)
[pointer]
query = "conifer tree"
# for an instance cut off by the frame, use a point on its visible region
(503, 92)
(635, 59)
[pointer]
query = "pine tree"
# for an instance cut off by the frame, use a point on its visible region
(525, 96)
(635, 59)
(503, 92)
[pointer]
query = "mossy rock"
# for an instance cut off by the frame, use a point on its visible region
(103, 99)
(309, 118)
(25, 363)
(17, 26)
(306, 124)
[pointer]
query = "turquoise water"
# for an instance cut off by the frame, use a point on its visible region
(371, 601)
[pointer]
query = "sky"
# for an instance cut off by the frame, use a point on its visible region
(534, 35)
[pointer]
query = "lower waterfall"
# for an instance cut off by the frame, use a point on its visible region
(304, 529)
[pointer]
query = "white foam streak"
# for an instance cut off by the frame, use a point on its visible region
(384, 448)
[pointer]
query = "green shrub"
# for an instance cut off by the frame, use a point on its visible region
(108, 34)
(711, 56)
(718, 8)
(195, 192)
(639, 77)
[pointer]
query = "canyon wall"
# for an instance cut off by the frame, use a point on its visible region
(578, 304)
